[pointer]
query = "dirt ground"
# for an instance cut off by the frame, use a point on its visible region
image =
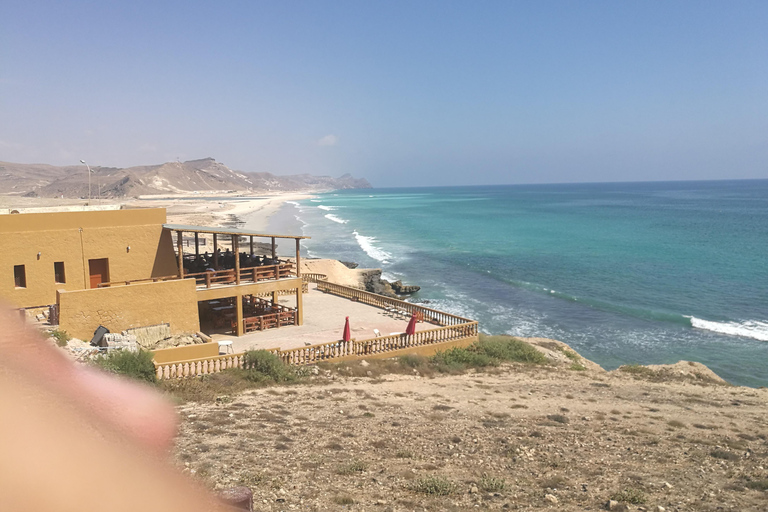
(568, 436)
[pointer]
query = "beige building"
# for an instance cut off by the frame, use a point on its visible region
(120, 269)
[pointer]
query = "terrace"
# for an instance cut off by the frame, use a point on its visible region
(378, 326)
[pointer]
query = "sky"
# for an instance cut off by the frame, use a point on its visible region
(417, 93)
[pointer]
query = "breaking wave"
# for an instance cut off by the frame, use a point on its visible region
(336, 219)
(749, 329)
(366, 244)
(327, 208)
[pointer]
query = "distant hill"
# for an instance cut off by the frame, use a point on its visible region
(169, 178)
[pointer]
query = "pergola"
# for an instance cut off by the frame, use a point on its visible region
(235, 234)
(235, 277)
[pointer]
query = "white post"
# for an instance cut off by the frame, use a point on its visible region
(89, 181)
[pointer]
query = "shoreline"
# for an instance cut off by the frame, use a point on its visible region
(251, 213)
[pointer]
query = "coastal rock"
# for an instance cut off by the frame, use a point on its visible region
(402, 289)
(551, 498)
(375, 284)
(690, 371)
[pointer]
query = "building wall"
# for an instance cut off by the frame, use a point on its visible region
(74, 238)
(186, 353)
(123, 307)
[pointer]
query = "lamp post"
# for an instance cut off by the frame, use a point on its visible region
(89, 180)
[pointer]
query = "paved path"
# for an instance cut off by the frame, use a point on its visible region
(324, 316)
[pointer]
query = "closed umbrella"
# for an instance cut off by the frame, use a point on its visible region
(411, 329)
(347, 332)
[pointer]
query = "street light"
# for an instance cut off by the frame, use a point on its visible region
(89, 180)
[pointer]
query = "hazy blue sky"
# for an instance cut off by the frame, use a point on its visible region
(402, 93)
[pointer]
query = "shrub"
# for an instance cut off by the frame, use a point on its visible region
(505, 348)
(413, 360)
(725, 455)
(135, 365)
(758, 485)
(343, 500)
(577, 367)
(61, 337)
(491, 484)
(559, 418)
(460, 358)
(353, 467)
(263, 366)
(632, 496)
(434, 485)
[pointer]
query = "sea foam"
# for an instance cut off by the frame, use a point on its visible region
(366, 244)
(749, 329)
(327, 208)
(336, 219)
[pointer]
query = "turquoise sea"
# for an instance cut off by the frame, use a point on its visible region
(623, 272)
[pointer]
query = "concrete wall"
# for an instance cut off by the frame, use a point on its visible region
(74, 238)
(123, 307)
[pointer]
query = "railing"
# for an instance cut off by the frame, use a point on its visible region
(453, 328)
(380, 301)
(221, 277)
(197, 367)
(269, 321)
(249, 274)
(135, 281)
(310, 277)
(323, 352)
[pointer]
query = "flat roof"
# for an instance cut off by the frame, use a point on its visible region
(226, 231)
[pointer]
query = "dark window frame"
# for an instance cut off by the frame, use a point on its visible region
(59, 274)
(20, 276)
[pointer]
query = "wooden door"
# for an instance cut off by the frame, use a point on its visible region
(99, 271)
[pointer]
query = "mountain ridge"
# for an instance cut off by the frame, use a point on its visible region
(201, 175)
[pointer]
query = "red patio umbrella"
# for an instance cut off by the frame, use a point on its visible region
(347, 333)
(411, 329)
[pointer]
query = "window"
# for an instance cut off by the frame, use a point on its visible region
(19, 276)
(58, 272)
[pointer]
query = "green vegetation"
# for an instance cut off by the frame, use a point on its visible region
(725, 455)
(434, 485)
(491, 484)
(263, 368)
(343, 500)
(632, 496)
(61, 337)
(570, 354)
(507, 348)
(577, 367)
(758, 485)
(357, 466)
(488, 351)
(134, 365)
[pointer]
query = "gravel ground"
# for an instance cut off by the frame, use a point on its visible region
(518, 437)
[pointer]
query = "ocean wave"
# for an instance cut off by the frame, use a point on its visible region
(328, 208)
(749, 329)
(294, 203)
(366, 244)
(316, 200)
(336, 219)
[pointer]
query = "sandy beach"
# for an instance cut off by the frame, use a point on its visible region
(251, 212)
